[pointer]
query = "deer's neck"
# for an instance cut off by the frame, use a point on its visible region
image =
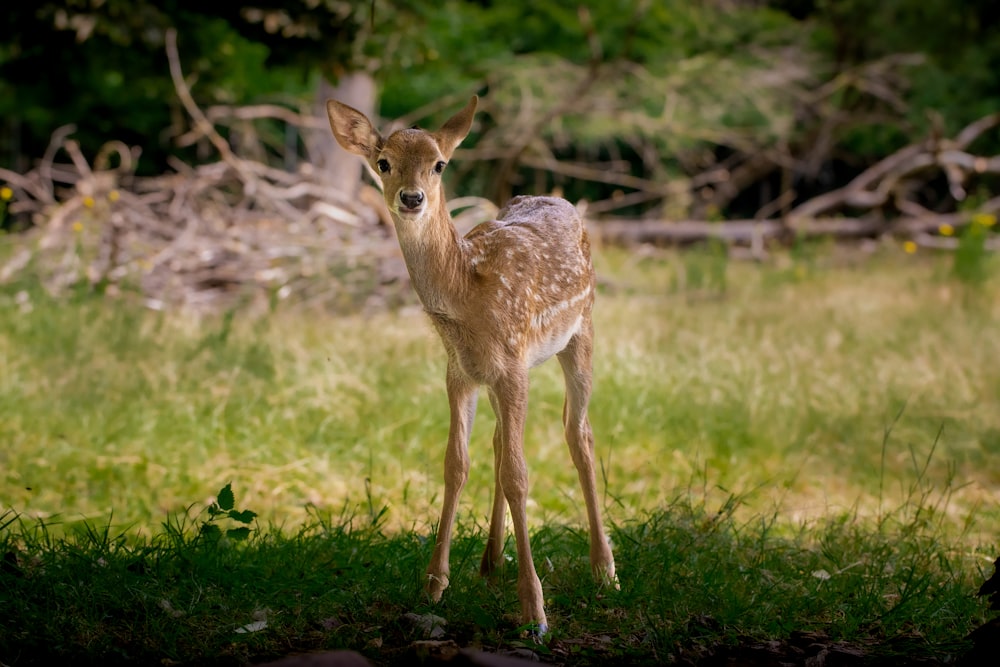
(435, 258)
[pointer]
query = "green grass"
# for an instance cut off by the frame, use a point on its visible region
(803, 445)
(693, 583)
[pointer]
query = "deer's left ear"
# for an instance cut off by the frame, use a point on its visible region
(456, 128)
(353, 131)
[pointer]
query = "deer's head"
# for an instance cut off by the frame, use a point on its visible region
(409, 162)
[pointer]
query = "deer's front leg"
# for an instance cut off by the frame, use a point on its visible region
(512, 401)
(462, 401)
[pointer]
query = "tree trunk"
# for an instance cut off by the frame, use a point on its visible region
(341, 170)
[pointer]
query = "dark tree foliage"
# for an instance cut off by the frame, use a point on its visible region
(101, 66)
(960, 41)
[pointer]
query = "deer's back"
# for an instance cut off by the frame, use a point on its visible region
(545, 234)
(534, 281)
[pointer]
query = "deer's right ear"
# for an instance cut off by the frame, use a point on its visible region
(353, 131)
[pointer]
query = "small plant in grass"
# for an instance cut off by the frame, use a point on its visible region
(223, 512)
(971, 263)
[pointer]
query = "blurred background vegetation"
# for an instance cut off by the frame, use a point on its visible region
(737, 93)
(199, 153)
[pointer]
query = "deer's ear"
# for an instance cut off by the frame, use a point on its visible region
(456, 128)
(353, 131)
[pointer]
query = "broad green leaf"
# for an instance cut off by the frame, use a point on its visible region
(238, 534)
(226, 499)
(246, 516)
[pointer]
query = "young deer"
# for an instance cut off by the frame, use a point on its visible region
(506, 297)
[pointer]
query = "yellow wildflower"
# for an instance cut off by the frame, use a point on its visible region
(88, 202)
(6, 193)
(984, 219)
(946, 230)
(77, 226)
(114, 196)
(909, 247)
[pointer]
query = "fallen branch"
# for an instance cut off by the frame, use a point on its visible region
(920, 223)
(731, 231)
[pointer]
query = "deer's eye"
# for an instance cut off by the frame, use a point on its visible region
(439, 166)
(383, 166)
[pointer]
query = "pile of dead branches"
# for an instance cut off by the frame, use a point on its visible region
(229, 231)
(882, 200)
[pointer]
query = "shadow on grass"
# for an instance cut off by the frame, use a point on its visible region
(698, 586)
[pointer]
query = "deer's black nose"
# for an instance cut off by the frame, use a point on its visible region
(411, 199)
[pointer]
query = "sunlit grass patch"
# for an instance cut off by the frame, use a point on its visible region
(779, 386)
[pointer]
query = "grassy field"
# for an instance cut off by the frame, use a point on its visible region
(802, 389)
(766, 427)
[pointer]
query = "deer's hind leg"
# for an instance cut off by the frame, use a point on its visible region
(576, 363)
(511, 393)
(493, 555)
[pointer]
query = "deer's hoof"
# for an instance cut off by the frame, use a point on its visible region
(537, 632)
(605, 576)
(436, 583)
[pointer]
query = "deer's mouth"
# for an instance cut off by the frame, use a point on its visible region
(409, 212)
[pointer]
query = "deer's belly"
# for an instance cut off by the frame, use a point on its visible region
(552, 343)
